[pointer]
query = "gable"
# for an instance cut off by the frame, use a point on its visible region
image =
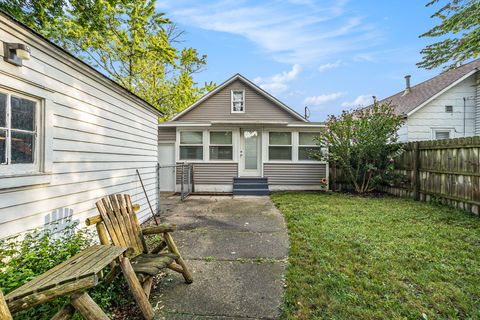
(218, 107)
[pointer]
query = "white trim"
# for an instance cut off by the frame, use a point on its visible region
(306, 125)
(252, 85)
(451, 131)
(243, 101)
(441, 92)
(178, 124)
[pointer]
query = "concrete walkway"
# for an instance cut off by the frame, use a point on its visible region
(236, 249)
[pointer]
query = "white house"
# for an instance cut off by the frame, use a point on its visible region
(443, 107)
(68, 135)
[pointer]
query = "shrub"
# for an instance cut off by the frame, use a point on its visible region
(362, 143)
(23, 258)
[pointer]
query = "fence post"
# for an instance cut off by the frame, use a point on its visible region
(416, 171)
(193, 177)
(183, 180)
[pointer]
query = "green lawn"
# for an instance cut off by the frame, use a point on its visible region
(379, 258)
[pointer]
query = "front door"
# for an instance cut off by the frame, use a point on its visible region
(250, 153)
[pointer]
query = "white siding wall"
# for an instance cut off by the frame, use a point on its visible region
(433, 115)
(95, 136)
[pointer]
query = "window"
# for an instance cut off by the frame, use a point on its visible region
(307, 146)
(238, 101)
(221, 145)
(191, 145)
(442, 134)
(449, 109)
(18, 133)
(280, 146)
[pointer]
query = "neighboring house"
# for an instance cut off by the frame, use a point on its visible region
(68, 135)
(443, 107)
(240, 138)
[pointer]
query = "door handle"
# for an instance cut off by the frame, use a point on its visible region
(241, 153)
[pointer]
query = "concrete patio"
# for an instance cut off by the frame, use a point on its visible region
(236, 249)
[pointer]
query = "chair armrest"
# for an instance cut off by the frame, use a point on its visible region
(166, 227)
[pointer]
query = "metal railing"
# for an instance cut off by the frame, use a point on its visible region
(182, 175)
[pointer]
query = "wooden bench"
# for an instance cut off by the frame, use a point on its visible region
(70, 278)
(118, 223)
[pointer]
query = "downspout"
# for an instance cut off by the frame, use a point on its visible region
(464, 117)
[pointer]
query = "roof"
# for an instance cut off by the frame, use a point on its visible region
(90, 68)
(429, 89)
(250, 84)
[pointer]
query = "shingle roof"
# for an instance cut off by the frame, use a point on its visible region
(421, 92)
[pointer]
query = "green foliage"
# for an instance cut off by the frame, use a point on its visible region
(128, 40)
(362, 144)
(23, 258)
(459, 30)
(357, 257)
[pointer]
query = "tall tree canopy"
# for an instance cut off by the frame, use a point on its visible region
(128, 40)
(460, 33)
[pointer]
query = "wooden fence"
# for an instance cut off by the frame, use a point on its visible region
(440, 170)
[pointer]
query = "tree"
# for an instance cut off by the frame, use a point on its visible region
(361, 143)
(127, 40)
(460, 24)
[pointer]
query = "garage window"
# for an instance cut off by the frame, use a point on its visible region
(18, 133)
(221, 147)
(280, 146)
(191, 145)
(307, 146)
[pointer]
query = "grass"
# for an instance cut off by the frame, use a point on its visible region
(379, 258)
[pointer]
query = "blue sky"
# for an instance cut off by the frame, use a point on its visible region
(329, 55)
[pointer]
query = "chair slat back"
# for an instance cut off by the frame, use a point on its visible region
(4, 312)
(121, 222)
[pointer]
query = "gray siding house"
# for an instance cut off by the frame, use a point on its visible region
(68, 135)
(240, 138)
(443, 107)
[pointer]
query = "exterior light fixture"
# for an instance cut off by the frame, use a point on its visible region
(15, 53)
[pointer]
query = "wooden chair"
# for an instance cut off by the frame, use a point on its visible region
(4, 312)
(118, 219)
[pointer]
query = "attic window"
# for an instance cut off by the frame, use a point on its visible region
(449, 109)
(238, 101)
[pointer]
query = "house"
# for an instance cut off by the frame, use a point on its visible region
(68, 135)
(443, 107)
(241, 139)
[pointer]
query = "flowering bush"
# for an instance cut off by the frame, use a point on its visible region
(362, 144)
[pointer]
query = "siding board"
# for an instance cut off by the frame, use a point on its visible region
(213, 173)
(218, 107)
(167, 134)
(294, 173)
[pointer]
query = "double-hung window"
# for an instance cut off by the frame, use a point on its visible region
(238, 101)
(191, 145)
(280, 146)
(19, 118)
(221, 147)
(307, 146)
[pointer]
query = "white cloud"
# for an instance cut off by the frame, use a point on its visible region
(284, 30)
(328, 66)
(360, 101)
(278, 83)
(322, 99)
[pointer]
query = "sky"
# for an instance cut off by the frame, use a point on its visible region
(325, 54)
